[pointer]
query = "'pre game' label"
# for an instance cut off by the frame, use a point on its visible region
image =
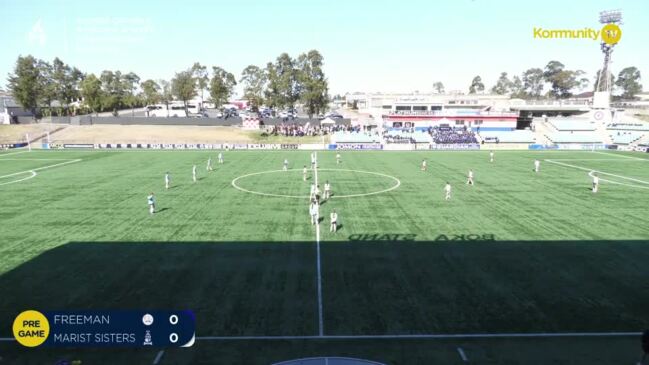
(105, 328)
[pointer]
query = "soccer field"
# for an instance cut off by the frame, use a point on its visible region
(495, 275)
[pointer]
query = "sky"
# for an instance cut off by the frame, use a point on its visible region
(368, 46)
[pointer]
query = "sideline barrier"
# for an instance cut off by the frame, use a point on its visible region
(459, 146)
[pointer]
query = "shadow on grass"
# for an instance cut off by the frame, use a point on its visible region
(369, 287)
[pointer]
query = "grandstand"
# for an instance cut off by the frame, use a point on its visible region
(572, 124)
(355, 137)
(405, 136)
(627, 133)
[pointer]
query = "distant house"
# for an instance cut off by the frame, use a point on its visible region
(10, 110)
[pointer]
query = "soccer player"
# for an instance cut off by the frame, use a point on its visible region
(447, 190)
(209, 164)
(304, 172)
(313, 211)
(334, 218)
(312, 160)
(469, 179)
(423, 165)
(327, 191)
(220, 157)
(595, 182)
(194, 173)
(317, 193)
(285, 168)
(312, 192)
(338, 159)
(537, 165)
(151, 201)
(491, 156)
(167, 180)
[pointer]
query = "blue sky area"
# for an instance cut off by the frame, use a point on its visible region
(387, 46)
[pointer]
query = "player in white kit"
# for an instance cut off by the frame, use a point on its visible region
(327, 190)
(537, 165)
(304, 173)
(194, 173)
(491, 156)
(220, 157)
(167, 180)
(209, 164)
(447, 190)
(285, 168)
(469, 179)
(334, 221)
(312, 161)
(313, 212)
(338, 159)
(151, 202)
(595, 182)
(423, 165)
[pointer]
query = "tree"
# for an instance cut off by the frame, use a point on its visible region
(438, 87)
(561, 81)
(312, 83)
(516, 89)
(503, 85)
(113, 90)
(24, 83)
(283, 81)
(629, 81)
(166, 95)
(201, 76)
(183, 86)
(92, 92)
(131, 81)
(254, 80)
(47, 87)
(272, 92)
(221, 86)
(533, 82)
(476, 85)
(151, 91)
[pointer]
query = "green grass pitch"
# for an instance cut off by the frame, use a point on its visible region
(519, 252)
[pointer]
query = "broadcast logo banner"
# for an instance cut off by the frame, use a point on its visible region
(105, 328)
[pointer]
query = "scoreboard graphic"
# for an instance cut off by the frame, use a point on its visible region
(110, 328)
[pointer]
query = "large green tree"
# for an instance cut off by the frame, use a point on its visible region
(151, 91)
(92, 92)
(131, 82)
(254, 81)
(283, 85)
(221, 86)
(533, 82)
(503, 85)
(183, 87)
(312, 83)
(438, 86)
(113, 90)
(561, 81)
(202, 78)
(24, 83)
(629, 81)
(516, 89)
(476, 85)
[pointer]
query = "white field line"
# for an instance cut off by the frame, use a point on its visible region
(11, 153)
(158, 357)
(33, 174)
(462, 354)
(396, 185)
(621, 156)
(35, 159)
(599, 159)
(41, 168)
(414, 336)
(423, 336)
(318, 263)
(590, 171)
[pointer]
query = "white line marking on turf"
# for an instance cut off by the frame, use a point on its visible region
(234, 184)
(158, 357)
(590, 171)
(620, 156)
(462, 354)
(317, 243)
(422, 336)
(35, 159)
(33, 174)
(42, 168)
(12, 153)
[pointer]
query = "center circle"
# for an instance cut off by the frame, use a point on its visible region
(396, 184)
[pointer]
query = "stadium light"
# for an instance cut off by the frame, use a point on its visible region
(610, 16)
